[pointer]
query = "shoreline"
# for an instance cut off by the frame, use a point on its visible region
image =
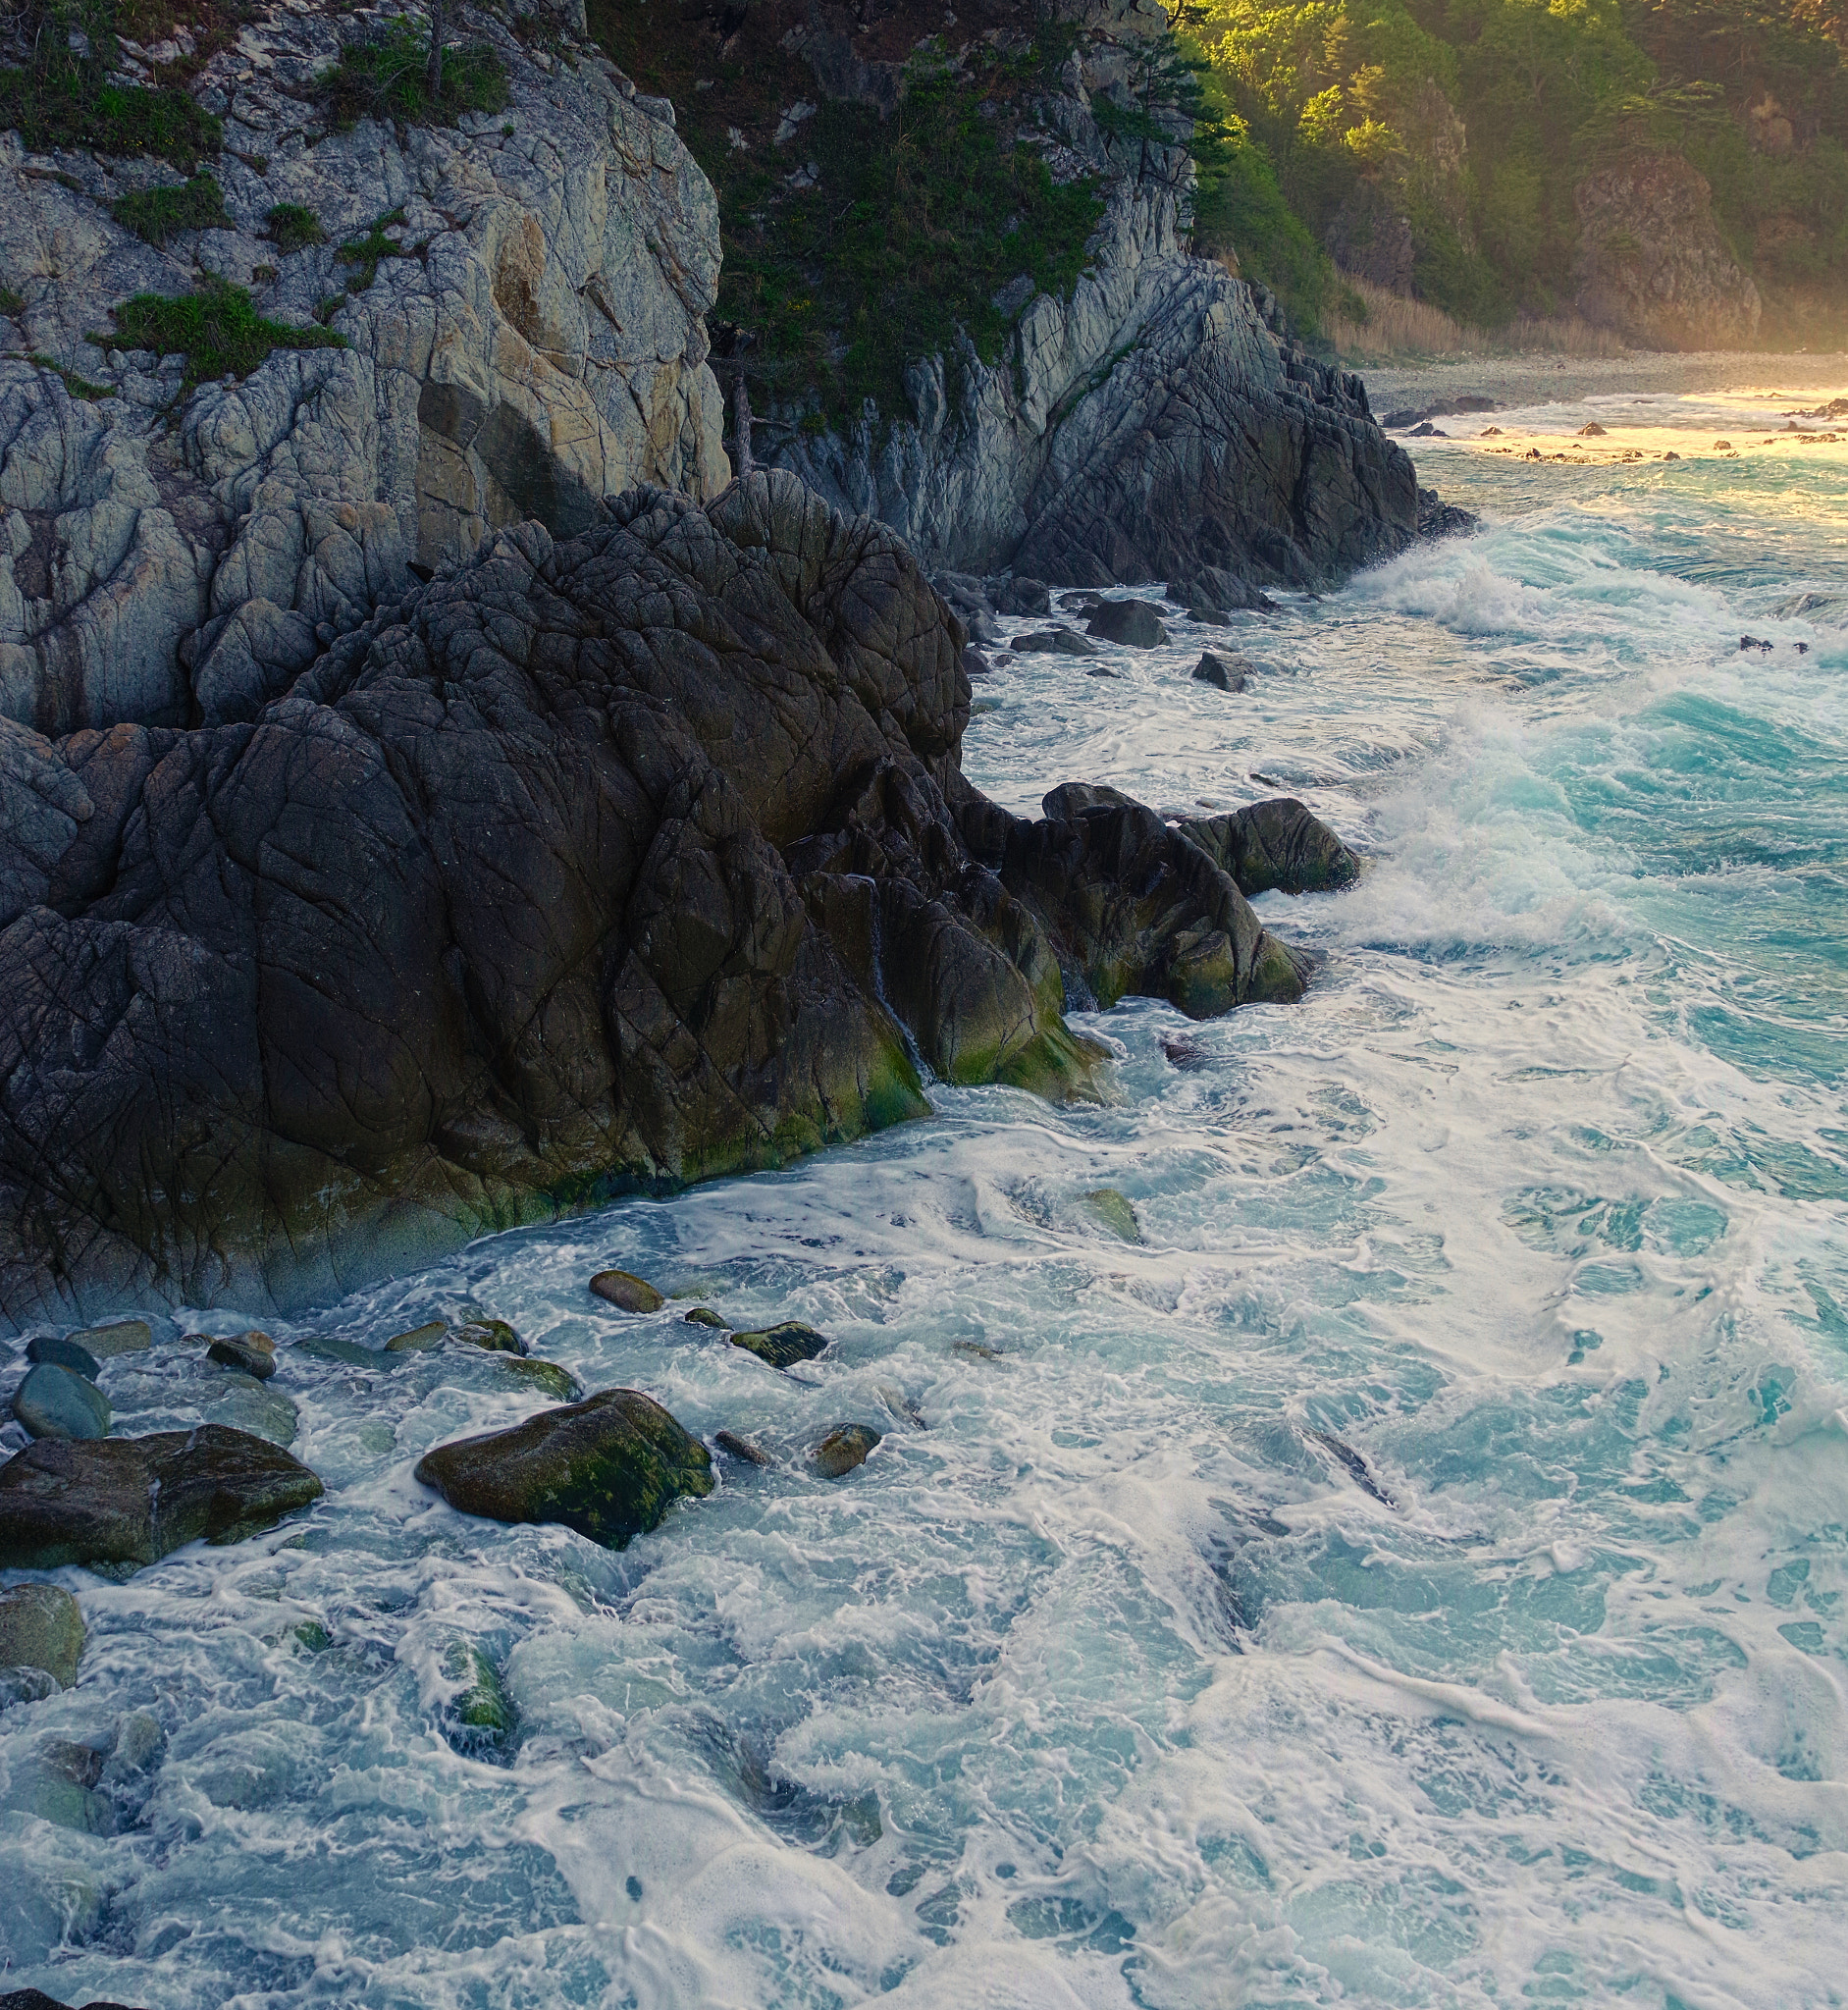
(1519, 381)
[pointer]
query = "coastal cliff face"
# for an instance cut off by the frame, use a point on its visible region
(1651, 264)
(624, 859)
(1156, 424)
(524, 335)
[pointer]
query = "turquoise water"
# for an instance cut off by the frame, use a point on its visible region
(1412, 1574)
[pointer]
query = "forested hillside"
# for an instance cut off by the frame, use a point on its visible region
(1462, 150)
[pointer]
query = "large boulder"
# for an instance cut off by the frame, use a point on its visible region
(590, 866)
(1279, 845)
(131, 1500)
(1651, 263)
(609, 1467)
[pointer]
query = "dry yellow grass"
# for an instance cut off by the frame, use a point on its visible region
(1397, 327)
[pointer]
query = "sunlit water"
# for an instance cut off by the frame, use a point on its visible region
(1107, 1681)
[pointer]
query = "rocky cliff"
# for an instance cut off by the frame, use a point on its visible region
(1157, 423)
(521, 298)
(1651, 264)
(597, 863)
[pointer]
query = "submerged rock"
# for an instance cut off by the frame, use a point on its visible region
(42, 1627)
(1053, 642)
(740, 1447)
(626, 1292)
(609, 1467)
(419, 1340)
(782, 1346)
(1115, 1211)
(843, 1448)
(133, 1500)
(481, 1717)
(54, 1402)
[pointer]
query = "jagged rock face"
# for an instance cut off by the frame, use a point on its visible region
(1150, 427)
(1651, 264)
(628, 859)
(538, 344)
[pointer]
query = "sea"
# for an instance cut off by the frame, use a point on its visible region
(1398, 1560)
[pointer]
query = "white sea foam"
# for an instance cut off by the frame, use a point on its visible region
(1411, 1574)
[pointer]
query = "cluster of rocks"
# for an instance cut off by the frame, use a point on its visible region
(1129, 623)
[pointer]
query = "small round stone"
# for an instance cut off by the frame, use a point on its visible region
(53, 1403)
(627, 1291)
(843, 1448)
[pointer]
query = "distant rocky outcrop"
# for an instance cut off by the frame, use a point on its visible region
(1160, 424)
(598, 863)
(1651, 264)
(524, 332)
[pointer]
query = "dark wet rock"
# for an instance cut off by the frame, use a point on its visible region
(591, 867)
(133, 1500)
(976, 665)
(1136, 624)
(704, 1315)
(1136, 908)
(122, 1337)
(1183, 1052)
(1427, 431)
(1439, 519)
(1053, 642)
(1099, 671)
(42, 1627)
(1216, 588)
(63, 1353)
(36, 1999)
(1352, 1463)
(1279, 845)
(54, 1402)
(492, 1335)
(626, 1292)
(782, 1346)
(609, 1467)
(252, 1354)
(420, 1339)
(1224, 672)
(1023, 597)
(843, 1448)
(1115, 1211)
(974, 1350)
(1210, 618)
(739, 1448)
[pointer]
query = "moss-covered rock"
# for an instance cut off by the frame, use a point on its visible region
(492, 1335)
(1113, 1210)
(480, 1716)
(704, 1315)
(42, 1627)
(782, 1346)
(843, 1448)
(609, 1467)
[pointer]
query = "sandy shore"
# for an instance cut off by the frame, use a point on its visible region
(1544, 380)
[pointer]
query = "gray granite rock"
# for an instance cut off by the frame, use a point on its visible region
(536, 343)
(54, 1402)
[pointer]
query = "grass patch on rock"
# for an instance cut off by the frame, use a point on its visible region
(385, 76)
(60, 96)
(294, 227)
(216, 327)
(159, 215)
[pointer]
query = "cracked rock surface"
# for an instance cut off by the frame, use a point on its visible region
(607, 862)
(1160, 424)
(532, 340)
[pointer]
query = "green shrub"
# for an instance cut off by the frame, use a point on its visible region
(77, 387)
(385, 77)
(293, 227)
(11, 302)
(365, 252)
(215, 328)
(159, 215)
